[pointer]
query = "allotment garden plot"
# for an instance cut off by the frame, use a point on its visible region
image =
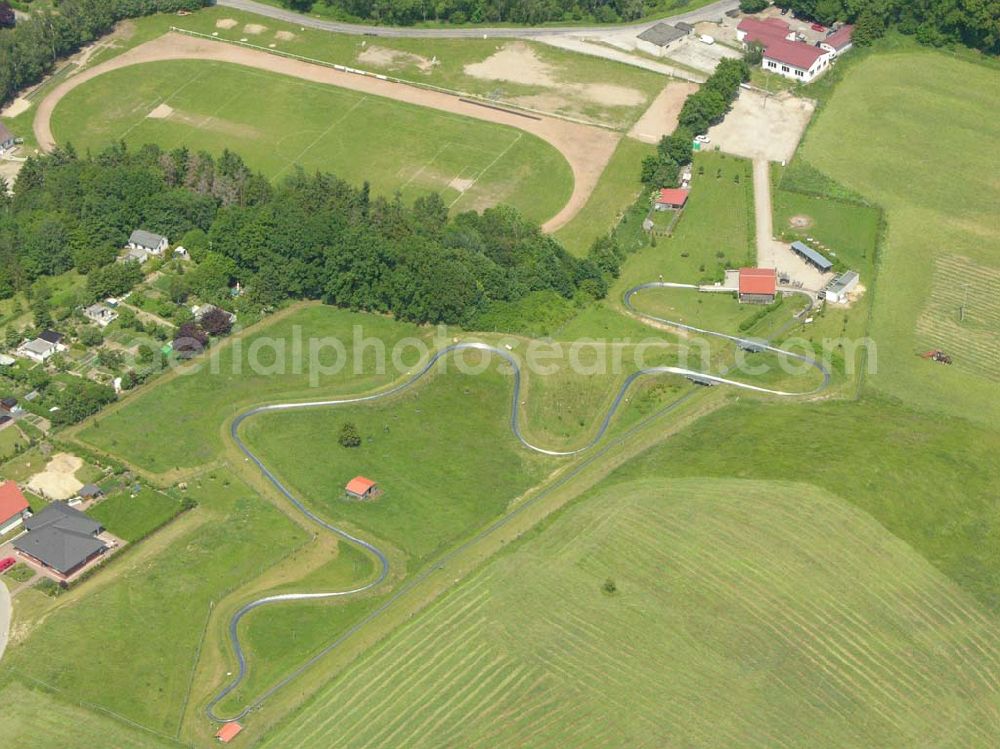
(276, 123)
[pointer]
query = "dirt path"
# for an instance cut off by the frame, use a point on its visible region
(587, 149)
(4, 616)
(661, 117)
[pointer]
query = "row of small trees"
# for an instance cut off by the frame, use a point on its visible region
(702, 109)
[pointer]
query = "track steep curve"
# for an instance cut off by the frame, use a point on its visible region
(515, 427)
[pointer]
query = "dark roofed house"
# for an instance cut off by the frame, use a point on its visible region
(656, 39)
(61, 539)
(90, 491)
(50, 336)
(8, 404)
(685, 27)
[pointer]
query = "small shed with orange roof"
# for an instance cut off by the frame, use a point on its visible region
(361, 488)
(13, 507)
(228, 732)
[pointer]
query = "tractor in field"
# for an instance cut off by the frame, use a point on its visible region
(936, 355)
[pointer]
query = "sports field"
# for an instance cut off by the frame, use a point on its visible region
(913, 131)
(744, 613)
(212, 106)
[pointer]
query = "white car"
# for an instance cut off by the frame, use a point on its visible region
(703, 139)
(706, 39)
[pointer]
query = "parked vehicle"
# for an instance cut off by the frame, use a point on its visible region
(702, 139)
(818, 27)
(706, 39)
(6, 563)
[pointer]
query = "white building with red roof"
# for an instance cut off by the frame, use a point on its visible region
(840, 40)
(13, 507)
(786, 55)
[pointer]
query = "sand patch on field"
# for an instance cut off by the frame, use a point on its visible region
(254, 28)
(161, 112)
(519, 63)
(461, 185)
(393, 59)
(226, 23)
(800, 222)
(661, 117)
(58, 480)
(216, 124)
(284, 36)
(16, 107)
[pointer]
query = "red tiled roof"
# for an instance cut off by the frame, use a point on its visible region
(228, 732)
(673, 196)
(796, 54)
(12, 502)
(841, 37)
(758, 280)
(359, 485)
(764, 25)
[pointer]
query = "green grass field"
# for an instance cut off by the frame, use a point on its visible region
(615, 192)
(34, 719)
(434, 485)
(134, 640)
(415, 150)
(745, 614)
(183, 416)
(132, 518)
(898, 129)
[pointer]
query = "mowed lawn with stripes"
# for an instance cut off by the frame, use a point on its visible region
(276, 122)
(745, 613)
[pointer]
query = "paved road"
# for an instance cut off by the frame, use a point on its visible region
(4, 617)
(708, 12)
(514, 421)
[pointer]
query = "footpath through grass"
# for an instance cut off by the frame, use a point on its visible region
(637, 618)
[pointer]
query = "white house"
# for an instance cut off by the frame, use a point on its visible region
(7, 139)
(100, 314)
(838, 289)
(840, 40)
(783, 53)
(13, 507)
(154, 244)
(41, 348)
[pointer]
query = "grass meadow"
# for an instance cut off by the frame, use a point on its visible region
(132, 518)
(835, 634)
(415, 150)
(133, 633)
(912, 131)
(32, 718)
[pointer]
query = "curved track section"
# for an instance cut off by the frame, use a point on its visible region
(515, 427)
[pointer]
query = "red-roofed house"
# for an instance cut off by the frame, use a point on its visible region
(228, 732)
(840, 40)
(758, 285)
(783, 54)
(361, 488)
(13, 507)
(671, 197)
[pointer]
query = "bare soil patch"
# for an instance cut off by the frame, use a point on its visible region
(763, 127)
(461, 184)
(161, 112)
(661, 117)
(16, 107)
(519, 63)
(393, 59)
(226, 23)
(254, 28)
(284, 36)
(58, 479)
(800, 222)
(587, 149)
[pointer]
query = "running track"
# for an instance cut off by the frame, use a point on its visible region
(383, 560)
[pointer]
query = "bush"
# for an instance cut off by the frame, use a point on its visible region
(753, 6)
(349, 435)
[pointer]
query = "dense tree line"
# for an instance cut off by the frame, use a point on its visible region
(702, 109)
(310, 237)
(974, 23)
(31, 49)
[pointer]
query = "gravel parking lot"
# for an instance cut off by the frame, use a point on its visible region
(695, 54)
(763, 127)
